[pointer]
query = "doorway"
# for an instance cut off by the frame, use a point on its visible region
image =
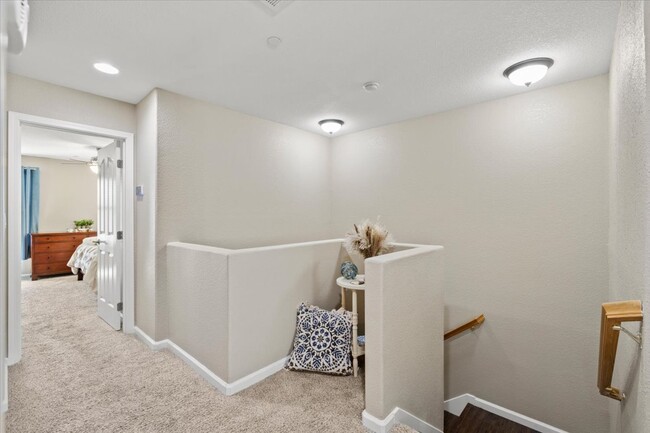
(115, 241)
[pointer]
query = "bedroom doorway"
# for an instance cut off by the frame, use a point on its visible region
(108, 154)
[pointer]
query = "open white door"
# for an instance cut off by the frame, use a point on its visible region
(109, 231)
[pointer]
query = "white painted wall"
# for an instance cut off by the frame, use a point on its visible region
(229, 179)
(404, 334)
(629, 207)
(68, 193)
(516, 191)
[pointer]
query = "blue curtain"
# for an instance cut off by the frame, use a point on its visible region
(30, 199)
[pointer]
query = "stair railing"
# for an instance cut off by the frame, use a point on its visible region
(471, 325)
(612, 317)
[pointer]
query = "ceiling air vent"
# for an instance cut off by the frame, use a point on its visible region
(273, 7)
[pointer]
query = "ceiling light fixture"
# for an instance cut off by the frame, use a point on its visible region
(331, 125)
(106, 68)
(273, 42)
(371, 86)
(528, 71)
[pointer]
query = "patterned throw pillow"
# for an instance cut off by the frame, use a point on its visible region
(323, 341)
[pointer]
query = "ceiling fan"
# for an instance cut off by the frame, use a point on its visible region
(92, 164)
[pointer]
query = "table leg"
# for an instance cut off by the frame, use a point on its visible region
(355, 323)
(343, 298)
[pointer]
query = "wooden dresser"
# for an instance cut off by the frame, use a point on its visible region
(51, 252)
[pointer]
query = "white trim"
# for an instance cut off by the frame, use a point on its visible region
(5, 392)
(203, 371)
(377, 425)
(16, 120)
(256, 376)
(457, 404)
(214, 380)
(150, 342)
(397, 416)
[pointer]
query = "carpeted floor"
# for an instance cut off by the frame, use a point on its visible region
(78, 375)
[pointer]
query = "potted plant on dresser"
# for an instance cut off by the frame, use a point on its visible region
(83, 225)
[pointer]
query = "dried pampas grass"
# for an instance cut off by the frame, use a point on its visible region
(368, 240)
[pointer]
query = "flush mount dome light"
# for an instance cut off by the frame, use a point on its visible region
(331, 125)
(528, 71)
(106, 68)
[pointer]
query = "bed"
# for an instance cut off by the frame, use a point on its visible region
(83, 261)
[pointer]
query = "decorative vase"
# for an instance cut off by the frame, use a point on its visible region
(349, 270)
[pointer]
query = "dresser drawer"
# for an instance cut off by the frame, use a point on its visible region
(76, 237)
(51, 252)
(51, 268)
(51, 257)
(68, 247)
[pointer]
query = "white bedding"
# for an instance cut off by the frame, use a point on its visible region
(84, 258)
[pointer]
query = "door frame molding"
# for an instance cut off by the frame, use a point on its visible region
(15, 122)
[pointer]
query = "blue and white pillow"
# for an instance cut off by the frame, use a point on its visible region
(323, 341)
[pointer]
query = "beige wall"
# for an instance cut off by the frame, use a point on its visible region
(516, 191)
(629, 212)
(146, 159)
(197, 278)
(28, 96)
(235, 310)
(68, 193)
(266, 285)
(229, 179)
(405, 310)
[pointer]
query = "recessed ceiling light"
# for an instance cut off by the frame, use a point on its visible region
(106, 68)
(371, 86)
(273, 42)
(331, 125)
(528, 71)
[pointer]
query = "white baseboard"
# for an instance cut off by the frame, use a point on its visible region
(397, 416)
(150, 342)
(214, 380)
(457, 404)
(5, 392)
(257, 376)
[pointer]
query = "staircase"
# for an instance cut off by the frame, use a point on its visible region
(476, 420)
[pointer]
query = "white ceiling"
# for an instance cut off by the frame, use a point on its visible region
(51, 143)
(429, 56)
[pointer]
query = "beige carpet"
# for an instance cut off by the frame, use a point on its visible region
(78, 375)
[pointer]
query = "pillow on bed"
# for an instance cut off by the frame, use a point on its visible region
(323, 341)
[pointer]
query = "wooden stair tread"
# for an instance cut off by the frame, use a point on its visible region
(450, 421)
(477, 420)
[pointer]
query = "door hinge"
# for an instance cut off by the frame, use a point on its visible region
(120, 235)
(119, 306)
(120, 163)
